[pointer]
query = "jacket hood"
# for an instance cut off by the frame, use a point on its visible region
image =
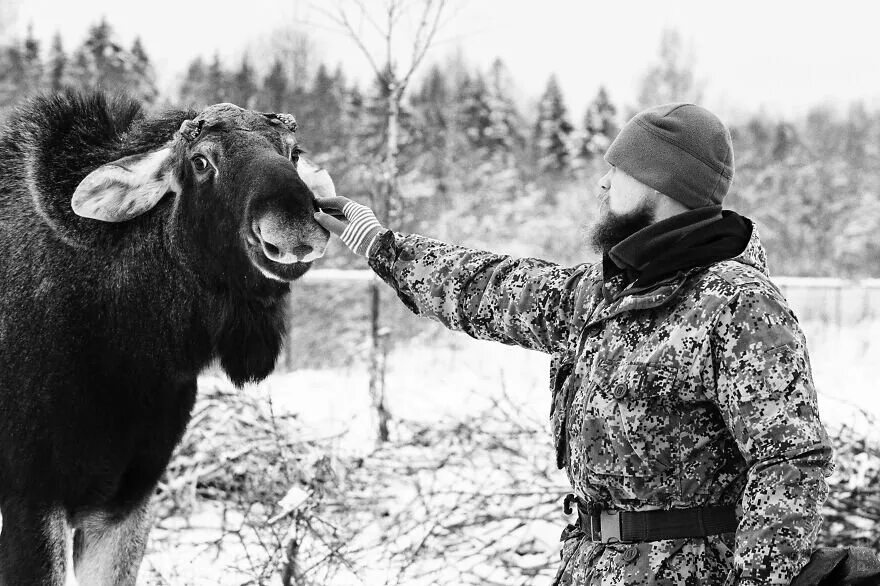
(753, 254)
(667, 250)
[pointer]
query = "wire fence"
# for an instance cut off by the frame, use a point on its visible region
(835, 301)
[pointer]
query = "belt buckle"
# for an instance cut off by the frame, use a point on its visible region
(609, 525)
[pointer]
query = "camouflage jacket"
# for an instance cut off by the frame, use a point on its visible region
(696, 391)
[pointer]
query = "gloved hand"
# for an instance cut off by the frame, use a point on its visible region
(354, 223)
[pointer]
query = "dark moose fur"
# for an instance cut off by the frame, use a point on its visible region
(104, 327)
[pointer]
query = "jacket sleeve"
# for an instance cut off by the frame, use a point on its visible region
(764, 390)
(522, 301)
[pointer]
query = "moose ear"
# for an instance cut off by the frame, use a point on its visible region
(315, 178)
(126, 188)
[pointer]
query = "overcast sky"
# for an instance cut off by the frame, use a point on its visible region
(778, 55)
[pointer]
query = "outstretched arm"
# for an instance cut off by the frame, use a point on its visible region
(527, 302)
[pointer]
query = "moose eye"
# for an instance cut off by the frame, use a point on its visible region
(200, 163)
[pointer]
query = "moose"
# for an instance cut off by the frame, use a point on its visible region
(135, 250)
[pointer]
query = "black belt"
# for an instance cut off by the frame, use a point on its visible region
(609, 526)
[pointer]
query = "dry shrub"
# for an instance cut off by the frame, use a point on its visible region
(471, 501)
(852, 512)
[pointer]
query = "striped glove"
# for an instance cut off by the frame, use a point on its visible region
(362, 230)
(356, 224)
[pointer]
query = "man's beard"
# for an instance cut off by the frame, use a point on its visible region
(611, 228)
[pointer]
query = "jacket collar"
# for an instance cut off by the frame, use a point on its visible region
(635, 253)
(621, 297)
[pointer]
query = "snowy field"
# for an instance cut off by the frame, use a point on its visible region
(445, 377)
(462, 376)
(449, 375)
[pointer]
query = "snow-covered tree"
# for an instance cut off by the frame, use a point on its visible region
(552, 131)
(101, 62)
(243, 86)
(57, 64)
(274, 90)
(600, 126)
(216, 82)
(192, 89)
(474, 114)
(33, 66)
(13, 73)
(142, 78)
(505, 132)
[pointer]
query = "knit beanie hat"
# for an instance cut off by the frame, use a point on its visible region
(681, 150)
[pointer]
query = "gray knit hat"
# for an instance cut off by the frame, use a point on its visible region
(681, 150)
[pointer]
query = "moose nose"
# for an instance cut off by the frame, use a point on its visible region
(276, 249)
(280, 243)
(301, 250)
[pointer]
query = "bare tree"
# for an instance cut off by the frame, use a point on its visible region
(394, 54)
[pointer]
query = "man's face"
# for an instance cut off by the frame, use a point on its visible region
(626, 206)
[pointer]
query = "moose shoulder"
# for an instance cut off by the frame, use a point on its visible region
(135, 250)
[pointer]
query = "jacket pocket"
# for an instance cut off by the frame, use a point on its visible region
(562, 381)
(632, 423)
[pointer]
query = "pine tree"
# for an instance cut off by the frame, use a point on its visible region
(142, 81)
(433, 111)
(784, 141)
(33, 66)
(552, 131)
(244, 86)
(12, 73)
(80, 73)
(474, 114)
(504, 134)
(100, 61)
(57, 64)
(375, 112)
(216, 84)
(352, 120)
(324, 104)
(192, 90)
(600, 126)
(274, 87)
(108, 56)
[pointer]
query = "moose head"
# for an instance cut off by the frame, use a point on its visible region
(243, 199)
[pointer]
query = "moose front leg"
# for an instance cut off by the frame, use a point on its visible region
(35, 544)
(108, 549)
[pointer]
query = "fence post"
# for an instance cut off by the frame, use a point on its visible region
(378, 354)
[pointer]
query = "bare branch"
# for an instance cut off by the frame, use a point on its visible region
(389, 63)
(341, 18)
(365, 14)
(420, 52)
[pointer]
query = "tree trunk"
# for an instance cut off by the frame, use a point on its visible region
(377, 363)
(389, 207)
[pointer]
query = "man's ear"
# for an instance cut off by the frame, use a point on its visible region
(125, 188)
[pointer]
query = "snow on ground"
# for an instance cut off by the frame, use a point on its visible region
(845, 363)
(458, 376)
(452, 379)
(444, 376)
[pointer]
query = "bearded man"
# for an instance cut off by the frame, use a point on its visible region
(684, 410)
